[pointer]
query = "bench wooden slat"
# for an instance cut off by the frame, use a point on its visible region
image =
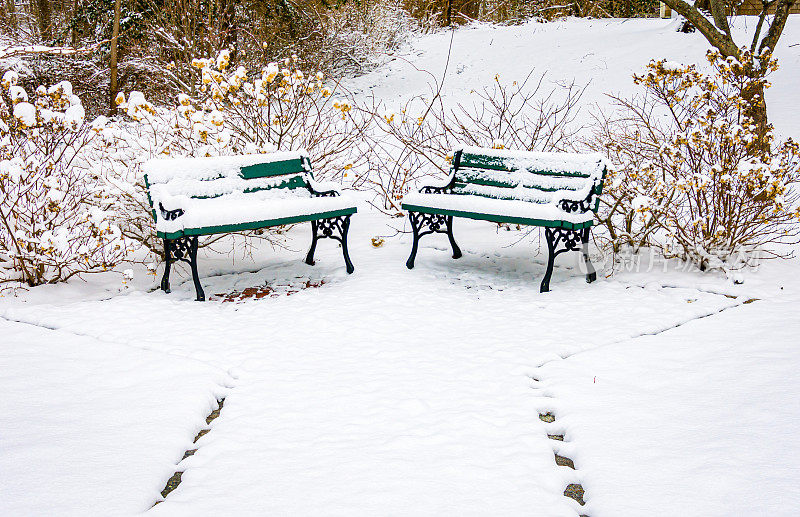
(489, 191)
(290, 182)
(255, 225)
(499, 163)
(515, 179)
(280, 168)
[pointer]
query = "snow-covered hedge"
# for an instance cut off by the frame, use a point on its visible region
(696, 177)
(55, 206)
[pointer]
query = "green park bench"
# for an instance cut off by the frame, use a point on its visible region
(558, 191)
(190, 197)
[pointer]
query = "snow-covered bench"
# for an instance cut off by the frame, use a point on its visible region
(190, 197)
(559, 191)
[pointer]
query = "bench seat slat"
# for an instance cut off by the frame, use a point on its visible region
(499, 163)
(254, 225)
(520, 194)
(249, 211)
(496, 210)
(513, 179)
(213, 188)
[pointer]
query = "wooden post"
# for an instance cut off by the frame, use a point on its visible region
(114, 86)
(665, 11)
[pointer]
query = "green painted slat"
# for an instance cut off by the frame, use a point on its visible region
(254, 225)
(497, 163)
(149, 199)
(266, 170)
(499, 218)
(291, 183)
(465, 184)
(463, 179)
(509, 197)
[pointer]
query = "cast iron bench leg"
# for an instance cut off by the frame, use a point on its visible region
(167, 264)
(456, 249)
(569, 240)
(185, 250)
(201, 296)
(314, 239)
(344, 230)
(591, 274)
(323, 229)
(551, 257)
(415, 230)
(436, 223)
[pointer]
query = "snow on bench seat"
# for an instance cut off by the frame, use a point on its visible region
(516, 187)
(496, 210)
(237, 212)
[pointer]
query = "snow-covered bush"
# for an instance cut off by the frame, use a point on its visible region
(277, 108)
(419, 138)
(118, 150)
(693, 178)
(357, 36)
(54, 207)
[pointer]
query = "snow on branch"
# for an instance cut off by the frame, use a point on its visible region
(12, 51)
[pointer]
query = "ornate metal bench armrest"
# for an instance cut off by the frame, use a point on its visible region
(582, 206)
(439, 189)
(327, 193)
(170, 215)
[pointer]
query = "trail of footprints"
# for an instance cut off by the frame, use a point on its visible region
(573, 490)
(175, 480)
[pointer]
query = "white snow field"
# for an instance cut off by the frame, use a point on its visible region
(701, 420)
(397, 392)
(90, 427)
(599, 54)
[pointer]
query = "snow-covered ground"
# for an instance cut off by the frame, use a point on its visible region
(599, 54)
(397, 392)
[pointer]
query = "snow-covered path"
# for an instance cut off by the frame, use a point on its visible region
(389, 391)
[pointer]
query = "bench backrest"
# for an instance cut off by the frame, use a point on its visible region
(528, 176)
(205, 178)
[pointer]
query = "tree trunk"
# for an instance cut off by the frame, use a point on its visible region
(756, 109)
(45, 20)
(12, 16)
(719, 35)
(114, 86)
(230, 34)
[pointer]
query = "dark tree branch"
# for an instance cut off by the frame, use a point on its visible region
(766, 4)
(721, 40)
(775, 30)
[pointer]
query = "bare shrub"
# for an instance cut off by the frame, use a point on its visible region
(357, 36)
(415, 142)
(282, 108)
